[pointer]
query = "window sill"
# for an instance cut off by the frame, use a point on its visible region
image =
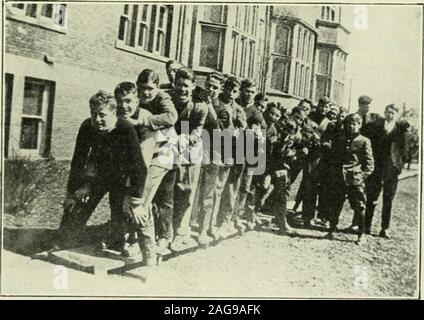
(122, 46)
(279, 93)
(36, 22)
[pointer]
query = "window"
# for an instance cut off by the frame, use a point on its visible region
(301, 92)
(338, 92)
(146, 28)
(323, 87)
(282, 38)
(299, 37)
(36, 117)
(307, 84)
(304, 45)
(324, 63)
(211, 50)
(310, 48)
(51, 16)
(215, 14)
(244, 41)
(280, 74)
(328, 13)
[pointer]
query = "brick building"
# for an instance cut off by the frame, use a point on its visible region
(57, 56)
(306, 54)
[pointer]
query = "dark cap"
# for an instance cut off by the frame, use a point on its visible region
(324, 100)
(364, 100)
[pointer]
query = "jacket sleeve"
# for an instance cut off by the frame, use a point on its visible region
(198, 119)
(165, 116)
(368, 159)
(79, 158)
(136, 163)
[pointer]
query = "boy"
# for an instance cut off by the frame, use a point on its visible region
(354, 164)
(281, 152)
(233, 117)
(192, 113)
(161, 120)
(107, 156)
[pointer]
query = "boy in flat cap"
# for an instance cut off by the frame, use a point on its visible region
(354, 163)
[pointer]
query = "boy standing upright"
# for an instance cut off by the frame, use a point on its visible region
(192, 113)
(354, 163)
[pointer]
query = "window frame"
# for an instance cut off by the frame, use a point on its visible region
(20, 14)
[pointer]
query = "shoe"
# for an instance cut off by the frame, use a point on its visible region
(329, 236)
(352, 229)
(239, 225)
(182, 242)
(307, 224)
(384, 234)
(162, 247)
(251, 226)
(213, 232)
(204, 239)
(130, 250)
(361, 240)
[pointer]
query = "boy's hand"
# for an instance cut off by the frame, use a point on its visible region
(82, 194)
(68, 204)
(134, 208)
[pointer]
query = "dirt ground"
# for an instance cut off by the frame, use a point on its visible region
(259, 264)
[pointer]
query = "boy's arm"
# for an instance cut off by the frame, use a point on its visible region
(79, 159)
(368, 159)
(165, 116)
(136, 163)
(200, 112)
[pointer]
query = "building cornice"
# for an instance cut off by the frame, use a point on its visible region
(294, 20)
(330, 24)
(332, 46)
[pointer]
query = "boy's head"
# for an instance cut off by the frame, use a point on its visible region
(286, 127)
(247, 91)
(305, 105)
(184, 84)
(231, 88)
(127, 99)
(147, 85)
(298, 115)
(274, 112)
(323, 106)
(391, 112)
(261, 102)
(333, 113)
(213, 84)
(171, 68)
(342, 114)
(103, 111)
(353, 123)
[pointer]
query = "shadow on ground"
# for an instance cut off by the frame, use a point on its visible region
(30, 241)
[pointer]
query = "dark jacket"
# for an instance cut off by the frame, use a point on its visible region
(354, 159)
(107, 159)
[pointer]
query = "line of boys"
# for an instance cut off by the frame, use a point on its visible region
(156, 202)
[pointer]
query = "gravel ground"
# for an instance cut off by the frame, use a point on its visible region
(259, 264)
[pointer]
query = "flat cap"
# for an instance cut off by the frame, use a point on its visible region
(364, 100)
(324, 100)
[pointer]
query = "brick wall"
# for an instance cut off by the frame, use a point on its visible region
(85, 60)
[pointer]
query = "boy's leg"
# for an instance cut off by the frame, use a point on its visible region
(119, 220)
(244, 191)
(389, 192)
(207, 186)
(338, 196)
(221, 182)
(357, 199)
(373, 187)
(281, 182)
(74, 220)
(185, 191)
(164, 201)
(229, 198)
(310, 195)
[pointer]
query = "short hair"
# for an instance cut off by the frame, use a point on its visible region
(298, 111)
(247, 83)
(171, 62)
(354, 117)
(276, 105)
(200, 95)
(103, 99)
(261, 97)
(216, 76)
(342, 110)
(184, 73)
(393, 107)
(125, 88)
(231, 82)
(147, 75)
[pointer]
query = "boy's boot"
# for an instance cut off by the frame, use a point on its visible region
(148, 250)
(284, 225)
